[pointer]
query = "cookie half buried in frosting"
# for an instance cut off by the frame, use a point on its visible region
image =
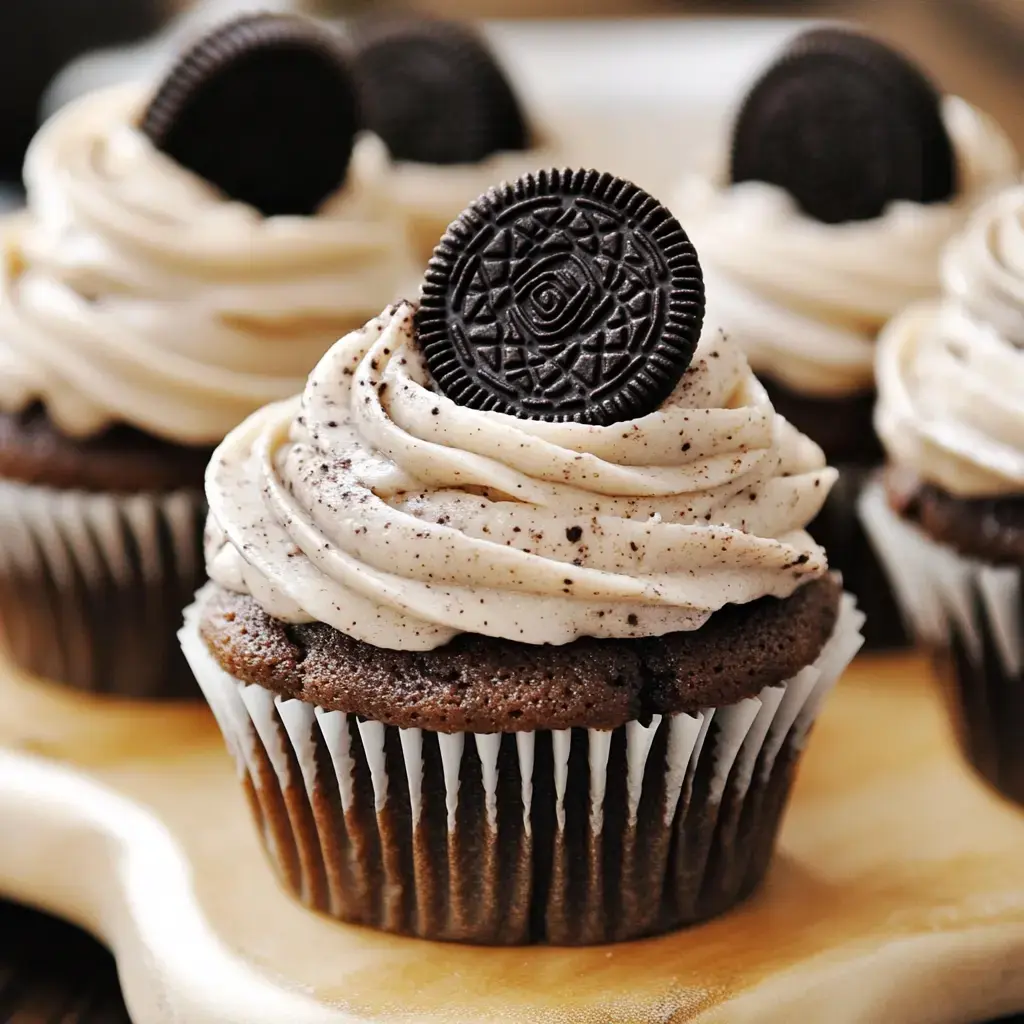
(534, 680)
(434, 92)
(847, 175)
(948, 521)
(145, 313)
(438, 96)
(846, 126)
(264, 108)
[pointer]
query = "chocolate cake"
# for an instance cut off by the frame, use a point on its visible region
(513, 626)
(488, 684)
(120, 459)
(990, 529)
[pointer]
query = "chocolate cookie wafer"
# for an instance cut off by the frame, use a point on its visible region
(434, 91)
(264, 108)
(846, 125)
(566, 295)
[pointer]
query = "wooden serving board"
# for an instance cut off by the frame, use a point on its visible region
(897, 895)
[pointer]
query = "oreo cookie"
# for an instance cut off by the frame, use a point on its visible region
(433, 91)
(846, 125)
(265, 108)
(566, 295)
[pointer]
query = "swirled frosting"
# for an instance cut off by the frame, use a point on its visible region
(951, 373)
(134, 292)
(807, 299)
(382, 508)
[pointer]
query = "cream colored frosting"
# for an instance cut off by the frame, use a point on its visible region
(807, 299)
(133, 291)
(951, 373)
(432, 195)
(400, 518)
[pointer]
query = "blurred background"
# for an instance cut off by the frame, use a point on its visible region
(49, 972)
(972, 47)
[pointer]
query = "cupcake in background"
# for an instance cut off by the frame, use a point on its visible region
(848, 173)
(948, 521)
(514, 627)
(436, 94)
(186, 256)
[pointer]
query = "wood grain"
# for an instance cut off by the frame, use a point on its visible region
(897, 894)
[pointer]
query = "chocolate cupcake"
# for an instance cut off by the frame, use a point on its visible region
(148, 306)
(437, 95)
(514, 628)
(848, 172)
(948, 519)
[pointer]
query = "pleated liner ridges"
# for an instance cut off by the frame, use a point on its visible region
(92, 586)
(972, 617)
(567, 837)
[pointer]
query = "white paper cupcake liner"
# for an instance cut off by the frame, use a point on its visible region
(971, 615)
(570, 836)
(91, 586)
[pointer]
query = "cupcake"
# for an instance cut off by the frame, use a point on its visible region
(186, 256)
(513, 626)
(948, 518)
(436, 94)
(848, 173)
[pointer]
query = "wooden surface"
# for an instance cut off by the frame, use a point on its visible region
(53, 973)
(897, 895)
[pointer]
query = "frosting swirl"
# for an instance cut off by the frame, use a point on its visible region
(134, 292)
(807, 298)
(384, 509)
(951, 373)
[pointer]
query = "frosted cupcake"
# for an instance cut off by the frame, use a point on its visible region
(848, 174)
(168, 278)
(949, 520)
(436, 94)
(514, 628)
